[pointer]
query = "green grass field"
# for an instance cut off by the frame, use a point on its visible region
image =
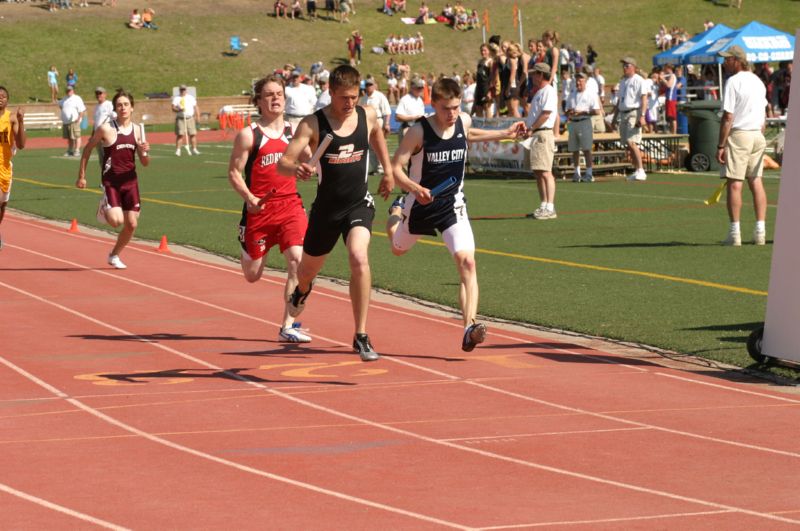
(639, 262)
(189, 46)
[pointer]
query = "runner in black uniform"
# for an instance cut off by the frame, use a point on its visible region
(437, 148)
(343, 206)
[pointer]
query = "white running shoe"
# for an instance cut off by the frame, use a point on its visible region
(188, 150)
(294, 334)
(194, 151)
(178, 152)
(760, 237)
(734, 239)
(115, 262)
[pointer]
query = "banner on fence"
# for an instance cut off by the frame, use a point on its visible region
(496, 156)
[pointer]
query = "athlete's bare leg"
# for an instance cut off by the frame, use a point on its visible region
(130, 222)
(395, 218)
(360, 276)
(468, 290)
(293, 256)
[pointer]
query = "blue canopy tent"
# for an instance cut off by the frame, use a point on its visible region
(677, 55)
(761, 43)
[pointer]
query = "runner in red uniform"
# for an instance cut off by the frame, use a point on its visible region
(121, 140)
(273, 212)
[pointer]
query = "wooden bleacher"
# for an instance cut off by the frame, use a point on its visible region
(42, 120)
(662, 152)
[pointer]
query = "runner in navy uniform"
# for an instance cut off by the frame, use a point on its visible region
(437, 148)
(121, 142)
(343, 206)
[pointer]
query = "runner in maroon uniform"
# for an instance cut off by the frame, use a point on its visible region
(273, 212)
(120, 202)
(343, 207)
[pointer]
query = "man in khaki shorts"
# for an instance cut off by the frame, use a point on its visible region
(539, 123)
(582, 105)
(741, 145)
(630, 109)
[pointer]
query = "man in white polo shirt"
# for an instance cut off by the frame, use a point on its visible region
(540, 122)
(377, 100)
(741, 142)
(630, 110)
(301, 99)
(72, 111)
(582, 104)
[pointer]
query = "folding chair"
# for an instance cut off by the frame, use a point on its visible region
(236, 45)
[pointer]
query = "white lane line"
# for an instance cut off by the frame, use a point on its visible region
(197, 453)
(542, 434)
(381, 426)
(59, 508)
(604, 520)
(728, 388)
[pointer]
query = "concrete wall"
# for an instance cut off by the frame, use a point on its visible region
(159, 111)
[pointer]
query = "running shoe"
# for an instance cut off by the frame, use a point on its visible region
(545, 213)
(588, 177)
(294, 334)
(188, 150)
(115, 262)
(297, 301)
(576, 177)
(734, 239)
(474, 335)
(760, 237)
(364, 348)
(399, 201)
(536, 213)
(194, 151)
(178, 152)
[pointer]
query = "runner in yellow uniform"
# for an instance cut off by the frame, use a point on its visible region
(12, 137)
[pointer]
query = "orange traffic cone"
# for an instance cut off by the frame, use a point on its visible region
(162, 247)
(74, 226)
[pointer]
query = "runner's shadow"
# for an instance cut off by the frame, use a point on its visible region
(234, 374)
(43, 269)
(289, 350)
(155, 338)
(591, 358)
(420, 357)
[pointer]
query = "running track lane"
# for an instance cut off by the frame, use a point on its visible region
(158, 397)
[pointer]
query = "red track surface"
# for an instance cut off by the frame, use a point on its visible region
(157, 397)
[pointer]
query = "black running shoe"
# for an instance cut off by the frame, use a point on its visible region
(297, 301)
(364, 348)
(399, 201)
(473, 336)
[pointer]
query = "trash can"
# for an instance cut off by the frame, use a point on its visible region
(704, 123)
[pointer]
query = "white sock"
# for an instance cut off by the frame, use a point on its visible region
(550, 206)
(761, 226)
(543, 205)
(735, 227)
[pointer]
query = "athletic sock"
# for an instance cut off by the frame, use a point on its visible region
(761, 226)
(550, 206)
(735, 226)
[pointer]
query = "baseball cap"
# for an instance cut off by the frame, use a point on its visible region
(581, 75)
(182, 87)
(628, 60)
(70, 87)
(734, 51)
(99, 90)
(542, 68)
(296, 72)
(369, 81)
(417, 83)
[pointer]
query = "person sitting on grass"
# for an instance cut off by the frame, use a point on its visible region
(135, 21)
(280, 9)
(147, 19)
